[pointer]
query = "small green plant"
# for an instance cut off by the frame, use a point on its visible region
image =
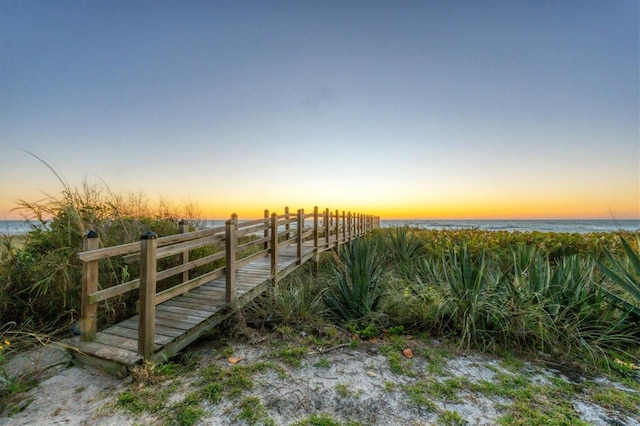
(396, 330)
(358, 277)
(323, 363)
(366, 333)
(389, 387)
(253, 412)
(293, 355)
(217, 382)
(617, 399)
(419, 397)
(148, 400)
(318, 420)
(342, 390)
(451, 418)
(188, 412)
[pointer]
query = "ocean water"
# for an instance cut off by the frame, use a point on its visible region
(571, 226)
(17, 227)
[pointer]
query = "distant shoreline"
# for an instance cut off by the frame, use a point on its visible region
(20, 227)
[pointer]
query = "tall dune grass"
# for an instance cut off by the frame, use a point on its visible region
(41, 278)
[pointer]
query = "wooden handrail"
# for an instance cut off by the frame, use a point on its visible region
(325, 230)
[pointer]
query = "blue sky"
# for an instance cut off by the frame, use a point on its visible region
(421, 109)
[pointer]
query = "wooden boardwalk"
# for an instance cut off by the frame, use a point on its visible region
(172, 319)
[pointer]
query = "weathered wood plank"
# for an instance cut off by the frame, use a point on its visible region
(182, 311)
(206, 298)
(168, 327)
(120, 342)
(193, 304)
(168, 318)
(106, 352)
(160, 339)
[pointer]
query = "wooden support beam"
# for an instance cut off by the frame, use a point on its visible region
(327, 229)
(89, 311)
(231, 255)
(300, 226)
(316, 230)
(266, 230)
(147, 324)
(337, 228)
(274, 247)
(287, 225)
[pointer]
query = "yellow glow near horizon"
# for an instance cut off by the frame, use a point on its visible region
(435, 211)
(388, 199)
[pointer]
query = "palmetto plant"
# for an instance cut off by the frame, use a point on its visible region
(358, 287)
(471, 304)
(624, 272)
(404, 245)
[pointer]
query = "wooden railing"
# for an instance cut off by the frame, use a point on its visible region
(237, 242)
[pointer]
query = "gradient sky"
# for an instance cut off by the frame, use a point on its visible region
(405, 109)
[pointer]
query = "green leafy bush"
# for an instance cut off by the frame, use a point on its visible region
(624, 272)
(359, 286)
(42, 278)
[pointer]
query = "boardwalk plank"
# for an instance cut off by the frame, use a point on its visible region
(166, 327)
(165, 307)
(120, 342)
(129, 333)
(196, 305)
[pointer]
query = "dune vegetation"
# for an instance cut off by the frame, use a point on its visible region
(575, 297)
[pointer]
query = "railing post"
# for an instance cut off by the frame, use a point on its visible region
(327, 228)
(316, 252)
(300, 226)
(337, 227)
(274, 247)
(231, 255)
(316, 230)
(344, 226)
(147, 318)
(287, 225)
(89, 311)
(183, 227)
(266, 230)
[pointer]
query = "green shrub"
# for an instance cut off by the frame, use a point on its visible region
(42, 278)
(358, 287)
(296, 300)
(624, 272)
(470, 306)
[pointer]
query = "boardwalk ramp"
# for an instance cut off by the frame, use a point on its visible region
(203, 277)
